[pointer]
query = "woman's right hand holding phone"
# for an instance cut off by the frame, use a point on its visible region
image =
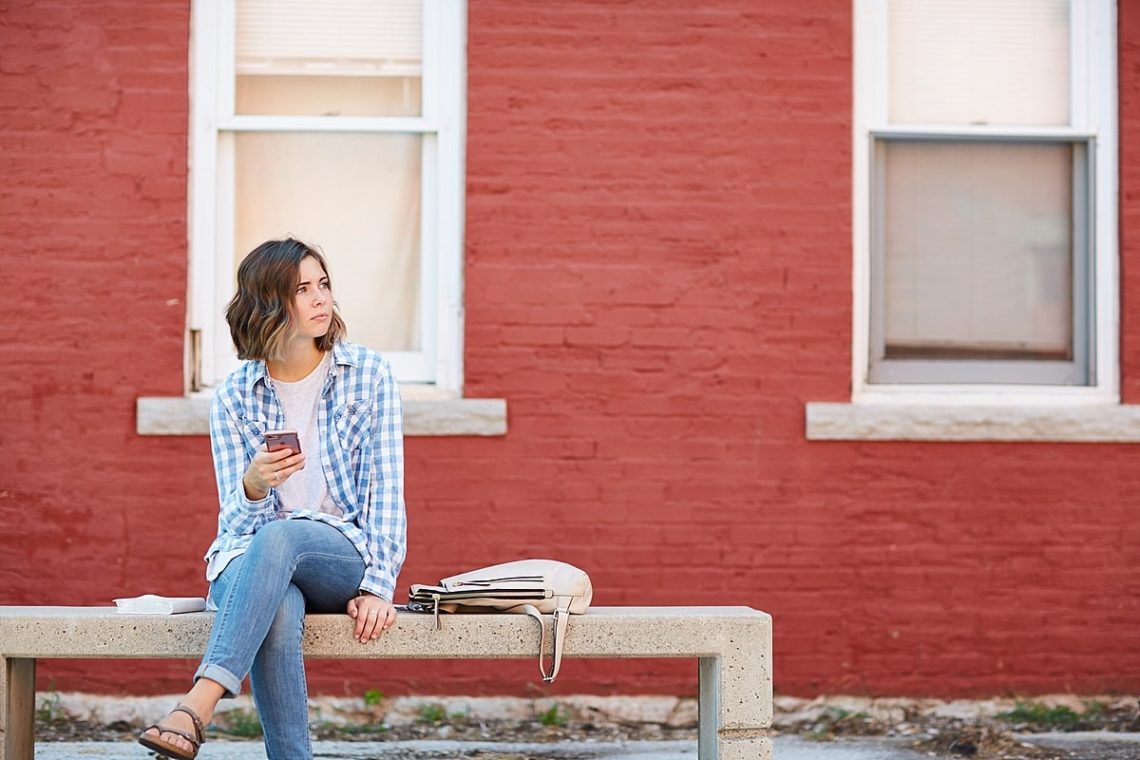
(269, 469)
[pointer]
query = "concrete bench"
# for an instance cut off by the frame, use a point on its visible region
(733, 646)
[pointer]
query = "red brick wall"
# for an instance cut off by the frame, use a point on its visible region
(657, 280)
(1128, 64)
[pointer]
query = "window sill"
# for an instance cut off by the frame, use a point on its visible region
(427, 412)
(1117, 423)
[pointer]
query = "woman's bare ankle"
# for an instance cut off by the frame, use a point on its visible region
(203, 699)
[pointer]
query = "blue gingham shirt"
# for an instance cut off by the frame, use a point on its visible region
(360, 424)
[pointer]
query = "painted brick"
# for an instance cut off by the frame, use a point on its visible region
(657, 278)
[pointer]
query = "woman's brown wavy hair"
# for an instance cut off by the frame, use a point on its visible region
(260, 314)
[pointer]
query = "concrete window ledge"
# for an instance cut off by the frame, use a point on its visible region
(930, 422)
(423, 415)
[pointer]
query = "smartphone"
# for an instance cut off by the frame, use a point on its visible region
(275, 440)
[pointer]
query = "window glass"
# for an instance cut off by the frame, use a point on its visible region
(978, 255)
(358, 197)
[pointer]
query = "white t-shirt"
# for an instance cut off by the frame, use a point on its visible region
(306, 488)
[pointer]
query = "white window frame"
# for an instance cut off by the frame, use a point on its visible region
(1093, 107)
(210, 230)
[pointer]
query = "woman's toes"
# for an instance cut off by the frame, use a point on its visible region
(176, 740)
(174, 720)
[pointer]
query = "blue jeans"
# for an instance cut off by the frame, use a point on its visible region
(292, 566)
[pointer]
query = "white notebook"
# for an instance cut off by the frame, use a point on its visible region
(151, 604)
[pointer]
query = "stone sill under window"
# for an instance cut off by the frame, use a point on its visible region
(1088, 423)
(427, 411)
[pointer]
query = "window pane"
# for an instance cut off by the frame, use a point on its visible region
(348, 58)
(979, 62)
(357, 196)
(977, 250)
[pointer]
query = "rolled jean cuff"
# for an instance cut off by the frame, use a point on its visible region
(228, 681)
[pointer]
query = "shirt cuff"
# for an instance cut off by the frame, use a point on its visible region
(378, 585)
(254, 506)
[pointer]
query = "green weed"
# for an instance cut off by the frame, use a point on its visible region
(1035, 712)
(325, 730)
(243, 723)
(432, 713)
(373, 697)
(552, 717)
(49, 711)
(1093, 709)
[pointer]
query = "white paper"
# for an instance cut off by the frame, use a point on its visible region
(151, 604)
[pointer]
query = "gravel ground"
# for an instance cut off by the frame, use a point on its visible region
(787, 748)
(371, 750)
(1051, 728)
(1058, 728)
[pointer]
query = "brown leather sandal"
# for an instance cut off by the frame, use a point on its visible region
(172, 750)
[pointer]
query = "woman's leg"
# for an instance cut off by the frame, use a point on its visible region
(312, 555)
(291, 566)
(278, 681)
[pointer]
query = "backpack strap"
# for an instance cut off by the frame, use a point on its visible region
(561, 620)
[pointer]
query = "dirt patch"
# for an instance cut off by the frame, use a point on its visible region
(465, 729)
(984, 730)
(987, 731)
(60, 728)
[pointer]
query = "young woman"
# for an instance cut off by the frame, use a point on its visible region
(321, 529)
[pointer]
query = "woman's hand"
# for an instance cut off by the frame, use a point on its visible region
(373, 616)
(269, 469)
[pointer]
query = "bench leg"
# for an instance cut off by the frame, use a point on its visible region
(17, 708)
(734, 710)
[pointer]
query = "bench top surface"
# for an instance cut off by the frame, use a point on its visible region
(734, 645)
(26, 613)
(602, 632)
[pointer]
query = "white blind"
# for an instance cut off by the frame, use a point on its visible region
(1001, 62)
(329, 37)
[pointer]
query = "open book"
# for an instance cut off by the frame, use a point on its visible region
(150, 604)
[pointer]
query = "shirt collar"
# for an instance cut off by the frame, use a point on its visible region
(341, 355)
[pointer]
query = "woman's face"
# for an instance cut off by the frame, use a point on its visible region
(312, 301)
